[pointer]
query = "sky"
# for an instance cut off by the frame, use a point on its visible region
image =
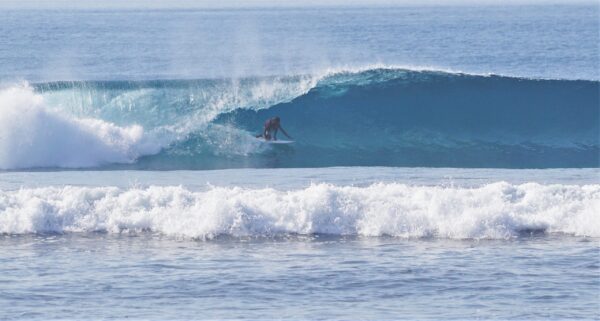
(96, 4)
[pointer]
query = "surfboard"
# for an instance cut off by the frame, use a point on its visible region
(275, 142)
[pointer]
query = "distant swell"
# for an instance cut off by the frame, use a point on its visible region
(495, 211)
(370, 117)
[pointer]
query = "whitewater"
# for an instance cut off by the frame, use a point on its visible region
(445, 164)
(494, 211)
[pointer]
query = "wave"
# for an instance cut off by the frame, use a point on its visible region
(494, 211)
(96, 124)
(408, 118)
(367, 117)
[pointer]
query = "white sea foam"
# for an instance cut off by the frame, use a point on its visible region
(31, 135)
(495, 211)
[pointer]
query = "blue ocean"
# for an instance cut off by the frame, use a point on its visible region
(445, 163)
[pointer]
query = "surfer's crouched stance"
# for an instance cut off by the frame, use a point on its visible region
(272, 125)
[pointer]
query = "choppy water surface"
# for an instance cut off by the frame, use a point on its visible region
(99, 276)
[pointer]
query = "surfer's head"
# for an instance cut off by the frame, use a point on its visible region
(277, 119)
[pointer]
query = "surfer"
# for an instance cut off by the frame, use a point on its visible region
(272, 125)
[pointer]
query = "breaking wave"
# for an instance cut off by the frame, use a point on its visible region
(494, 211)
(370, 117)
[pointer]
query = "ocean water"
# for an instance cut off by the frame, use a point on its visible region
(329, 243)
(150, 277)
(446, 163)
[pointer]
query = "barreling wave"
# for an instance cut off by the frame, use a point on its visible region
(371, 117)
(494, 211)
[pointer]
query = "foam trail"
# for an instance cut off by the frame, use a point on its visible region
(494, 211)
(31, 135)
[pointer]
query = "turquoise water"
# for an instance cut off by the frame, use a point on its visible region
(394, 117)
(450, 86)
(445, 164)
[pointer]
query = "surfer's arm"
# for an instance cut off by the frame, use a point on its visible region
(286, 134)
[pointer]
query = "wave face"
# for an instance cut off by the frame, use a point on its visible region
(495, 211)
(371, 117)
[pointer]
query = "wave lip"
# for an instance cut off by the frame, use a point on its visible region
(494, 211)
